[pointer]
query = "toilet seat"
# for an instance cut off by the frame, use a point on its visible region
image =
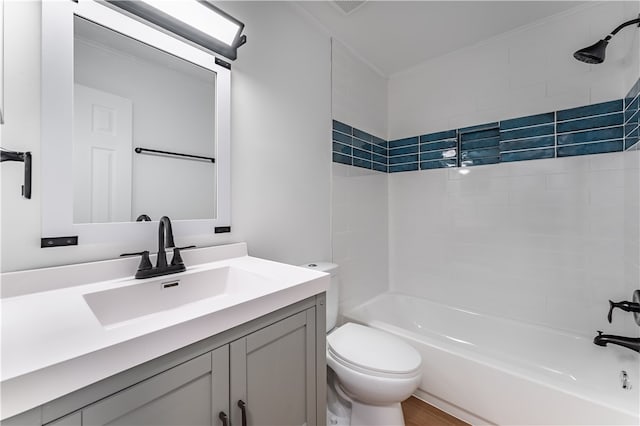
(373, 352)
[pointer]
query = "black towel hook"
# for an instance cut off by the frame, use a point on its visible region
(23, 157)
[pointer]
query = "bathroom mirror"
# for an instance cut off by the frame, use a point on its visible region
(135, 123)
(143, 128)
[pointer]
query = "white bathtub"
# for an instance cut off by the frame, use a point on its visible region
(486, 369)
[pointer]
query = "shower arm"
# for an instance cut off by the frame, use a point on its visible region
(621, 26)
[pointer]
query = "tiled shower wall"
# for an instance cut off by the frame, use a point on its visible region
(592, 129)
(546, 242)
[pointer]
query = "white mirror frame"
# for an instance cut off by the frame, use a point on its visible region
(57, 124)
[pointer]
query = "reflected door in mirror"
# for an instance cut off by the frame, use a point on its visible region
(102, 160)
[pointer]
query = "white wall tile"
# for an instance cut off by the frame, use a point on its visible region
(548, 246)
(359, 233)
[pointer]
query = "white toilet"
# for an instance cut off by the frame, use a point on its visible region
(375, 370)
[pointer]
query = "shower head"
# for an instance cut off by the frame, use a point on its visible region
(595, 53)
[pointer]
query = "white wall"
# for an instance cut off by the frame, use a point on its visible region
(358, 92)
(281, 123)
(526, 71)
(359, 200)
(544, 241)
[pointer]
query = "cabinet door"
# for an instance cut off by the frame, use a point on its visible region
(192, 393)
(273, 371)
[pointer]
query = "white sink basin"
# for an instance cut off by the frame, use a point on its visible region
(140, 298)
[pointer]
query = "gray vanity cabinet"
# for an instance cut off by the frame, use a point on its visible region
(273, 372)
(274, 364)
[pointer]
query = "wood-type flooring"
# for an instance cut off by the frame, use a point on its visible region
(419, 413)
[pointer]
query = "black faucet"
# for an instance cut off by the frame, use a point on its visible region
(627, 342)
(165, 240)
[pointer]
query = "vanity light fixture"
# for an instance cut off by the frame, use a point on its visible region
(197, 21)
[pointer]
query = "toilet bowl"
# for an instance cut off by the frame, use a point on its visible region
(374, 371)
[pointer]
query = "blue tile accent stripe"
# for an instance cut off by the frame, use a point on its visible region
(605, 127)
(358, 148)
(532, 120)
(403, 167)
(590, 148)
(480, 145)
(403, 142)
(590, 110)
(631, 128)
(531, 154)
(528, 143)
(527, 132)
(403, 150)
(439, 150)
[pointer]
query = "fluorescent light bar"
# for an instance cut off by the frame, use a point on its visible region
(197, 21)
(200, 17)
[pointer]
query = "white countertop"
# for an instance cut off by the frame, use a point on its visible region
(53, 344)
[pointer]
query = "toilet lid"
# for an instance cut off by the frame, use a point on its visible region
(373, 350)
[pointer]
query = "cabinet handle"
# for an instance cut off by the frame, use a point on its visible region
(222, 416)
(243, 408)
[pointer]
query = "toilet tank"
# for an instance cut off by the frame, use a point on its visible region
(332, 292)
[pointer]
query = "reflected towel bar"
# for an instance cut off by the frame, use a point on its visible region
(191, 156)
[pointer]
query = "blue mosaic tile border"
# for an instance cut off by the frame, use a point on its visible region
(358, 148)
(599, 128)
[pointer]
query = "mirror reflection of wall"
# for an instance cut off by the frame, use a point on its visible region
(126, 95)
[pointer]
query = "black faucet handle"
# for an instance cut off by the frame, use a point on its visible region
(610, 314)
(177, 258)
(145, 262)
(624, 305)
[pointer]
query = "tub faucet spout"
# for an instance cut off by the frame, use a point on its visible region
(627, 342)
